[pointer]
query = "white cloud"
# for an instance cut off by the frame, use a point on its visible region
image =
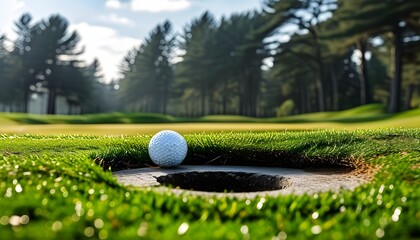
(114, 18)
(116, 4)
(105, 44)
(150, 5)
(18, 4)
(159, 5)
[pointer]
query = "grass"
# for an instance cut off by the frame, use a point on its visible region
(60, 187)
(364, 117)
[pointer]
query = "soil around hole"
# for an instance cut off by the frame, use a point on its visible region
(214, 181)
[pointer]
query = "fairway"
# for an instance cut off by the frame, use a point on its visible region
(63, 187)
(135, 129)
(371, 116)
(150, 128)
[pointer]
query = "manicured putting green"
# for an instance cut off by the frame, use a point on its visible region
(61, 187)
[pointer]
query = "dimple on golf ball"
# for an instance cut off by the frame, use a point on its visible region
(168, 148)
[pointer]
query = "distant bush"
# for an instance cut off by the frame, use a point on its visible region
(286, 108)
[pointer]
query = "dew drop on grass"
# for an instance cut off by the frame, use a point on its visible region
(244, 229)
(4, 220)
(316, 229)
(14, 220)
(397, 211)
(78, 208)
(103, 197)
(142, 230)
(24, 219)
(366, 222)
(260, 204)
(380, 233)
(281, 236)
(381, 188)
(75, 218)
(183, 228)
(56, 226)
(103, 234)
(99, 223)
(8, 192)
(396, 215)
(89, 231)
(90, 213)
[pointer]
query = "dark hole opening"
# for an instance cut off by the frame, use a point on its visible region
(224, 181)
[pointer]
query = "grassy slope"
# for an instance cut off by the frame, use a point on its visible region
(365, 117)
(372, 112)
(54, 182)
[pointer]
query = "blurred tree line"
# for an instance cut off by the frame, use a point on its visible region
(291, 57)
(44, 60)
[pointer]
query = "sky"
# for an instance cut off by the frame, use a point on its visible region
(110, 28)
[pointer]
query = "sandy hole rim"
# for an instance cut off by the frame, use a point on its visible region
(301, 181)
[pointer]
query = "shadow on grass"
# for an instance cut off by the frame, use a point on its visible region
(245, 157)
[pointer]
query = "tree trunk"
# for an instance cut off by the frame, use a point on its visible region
(51, 101)
(224, 99)
(318, 81)
(395, 88)
(253, 95)
(203, 100)
(241, 90)
(320, 89)
(334, 88)
(410, 93)
(302, 94)
(212, 104)
(365, 96)
(26, 92)
(165, 98)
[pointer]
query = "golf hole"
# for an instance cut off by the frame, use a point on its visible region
(224, 181)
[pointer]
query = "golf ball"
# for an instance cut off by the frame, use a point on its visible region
(167, 148)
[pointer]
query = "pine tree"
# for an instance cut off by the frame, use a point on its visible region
(147, 72)
(371, 18)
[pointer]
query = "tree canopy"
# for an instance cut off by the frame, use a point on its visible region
(289, 57)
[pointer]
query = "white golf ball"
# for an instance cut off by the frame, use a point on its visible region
(167, 148)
